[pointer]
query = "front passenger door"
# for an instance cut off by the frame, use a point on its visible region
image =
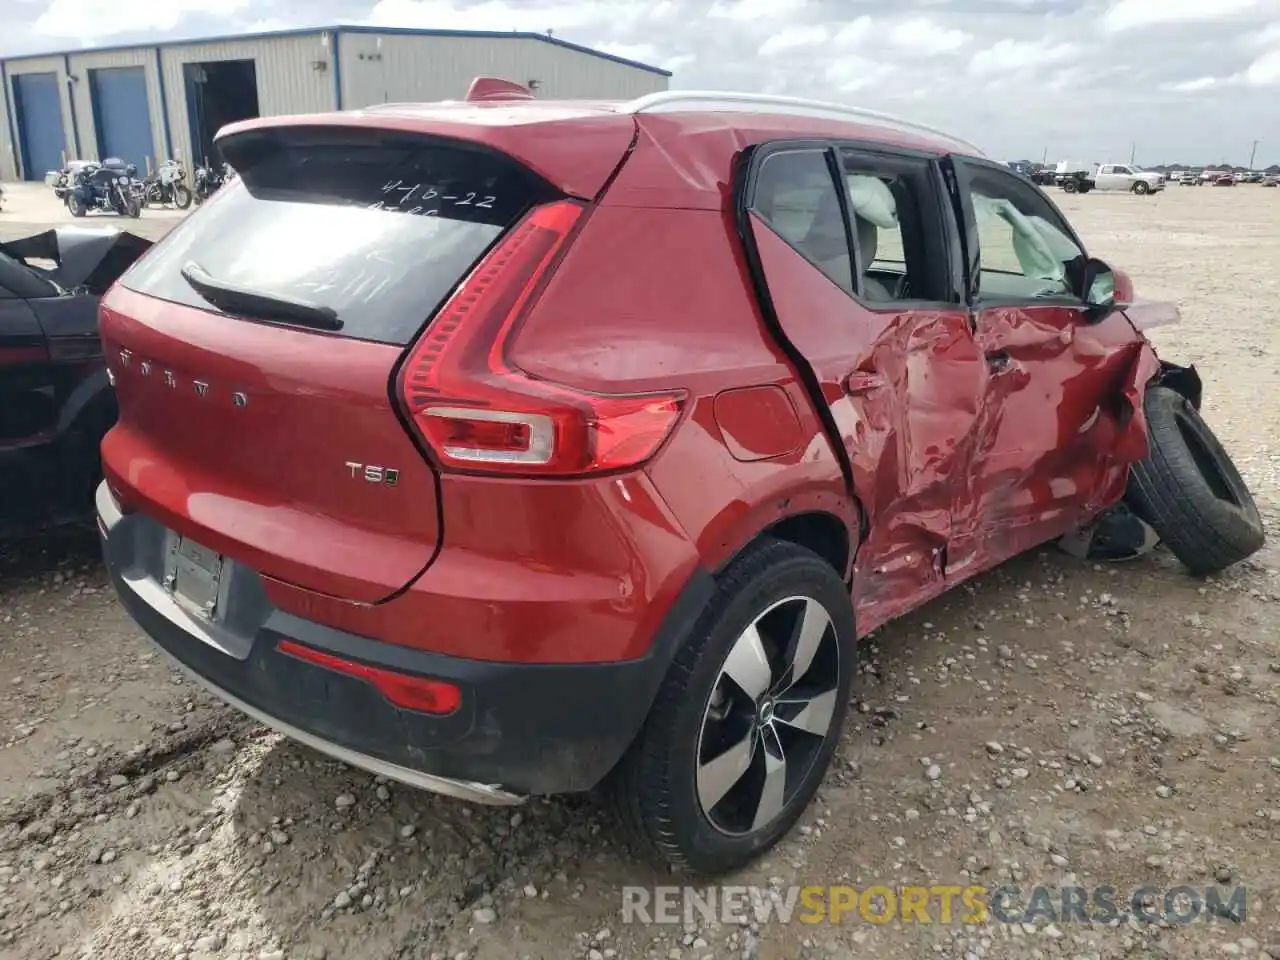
(1042, 462)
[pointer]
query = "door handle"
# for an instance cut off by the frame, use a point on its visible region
(858, 383)
(999, 361)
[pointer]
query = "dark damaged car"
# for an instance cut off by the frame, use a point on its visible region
(56, 403)
(509, 448)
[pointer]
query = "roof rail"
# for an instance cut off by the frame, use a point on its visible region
(719, 101)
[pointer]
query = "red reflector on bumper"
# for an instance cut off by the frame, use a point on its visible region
(404, 690)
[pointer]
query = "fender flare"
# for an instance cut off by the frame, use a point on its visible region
(737, 532)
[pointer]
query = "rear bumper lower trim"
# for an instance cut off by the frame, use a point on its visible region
(459, 789)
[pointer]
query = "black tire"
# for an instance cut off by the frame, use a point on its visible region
(1069, 186)
(655, 788)
(132, 207)
(181, 196)
(1141, 188)
(75, 206)
(1189, 491)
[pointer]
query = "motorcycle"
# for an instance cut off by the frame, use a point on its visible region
(107, 186)
(168, 185)
(60, 180)
(209, 178)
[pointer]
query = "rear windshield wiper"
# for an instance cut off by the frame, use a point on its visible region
(263, 306)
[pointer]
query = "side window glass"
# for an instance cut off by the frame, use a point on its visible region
(887, 203)
(796, 195)
(877, 204)
(1025, 250)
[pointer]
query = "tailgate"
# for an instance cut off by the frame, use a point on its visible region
(255, 348)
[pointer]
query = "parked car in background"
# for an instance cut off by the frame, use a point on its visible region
(1252, 176)
(55, 400)
(1224, 180)
(463, 497)
(1271, 181)
(1189, 179)
(1128, 178)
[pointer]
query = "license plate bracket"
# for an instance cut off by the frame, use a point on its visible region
(194, 576)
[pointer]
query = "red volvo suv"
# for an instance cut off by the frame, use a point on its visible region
(508, 447)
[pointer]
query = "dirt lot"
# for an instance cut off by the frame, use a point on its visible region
(1089, 725)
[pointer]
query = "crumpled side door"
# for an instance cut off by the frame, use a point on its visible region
(1045, 456)
(899, 384)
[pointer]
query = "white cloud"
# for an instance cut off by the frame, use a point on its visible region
(924, 36)
(641, 52)
(1190, 86)
(267, 25)
(853, 32)
(750, 10)
(1265, 71)
(1266, 37)
(788, 38)
(1130, 14)
(91, 20)
(489, 15)
(1011, 56)
(854, 74)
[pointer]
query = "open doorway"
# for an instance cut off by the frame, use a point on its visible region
(218, 92)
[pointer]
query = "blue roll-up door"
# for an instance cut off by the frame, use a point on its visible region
(121, 114)
(37, 107)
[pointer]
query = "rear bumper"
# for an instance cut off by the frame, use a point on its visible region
(521, 728)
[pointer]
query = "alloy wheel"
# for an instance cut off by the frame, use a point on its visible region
(768, 716)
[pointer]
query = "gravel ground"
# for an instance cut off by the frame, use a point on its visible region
(1054, 722)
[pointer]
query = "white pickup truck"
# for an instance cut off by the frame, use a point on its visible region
(1127, 177)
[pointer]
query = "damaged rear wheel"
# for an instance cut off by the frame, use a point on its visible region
(1188, 489)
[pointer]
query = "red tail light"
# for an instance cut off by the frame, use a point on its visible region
(476, 411)
(402, 689)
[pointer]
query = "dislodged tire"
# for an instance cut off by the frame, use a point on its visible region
(1188, 489)
(748, 717)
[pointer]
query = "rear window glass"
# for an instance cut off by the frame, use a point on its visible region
(378, 230)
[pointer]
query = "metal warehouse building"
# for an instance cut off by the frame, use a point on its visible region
(146, 103)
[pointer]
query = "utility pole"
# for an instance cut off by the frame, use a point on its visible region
(1252, 153)
(1044, 156)
(1133, 151)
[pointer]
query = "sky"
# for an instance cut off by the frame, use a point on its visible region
(1172, 81)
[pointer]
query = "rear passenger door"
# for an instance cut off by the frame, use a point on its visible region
(1042, 462)
(852, 255)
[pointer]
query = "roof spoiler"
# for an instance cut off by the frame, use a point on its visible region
(495, 88)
